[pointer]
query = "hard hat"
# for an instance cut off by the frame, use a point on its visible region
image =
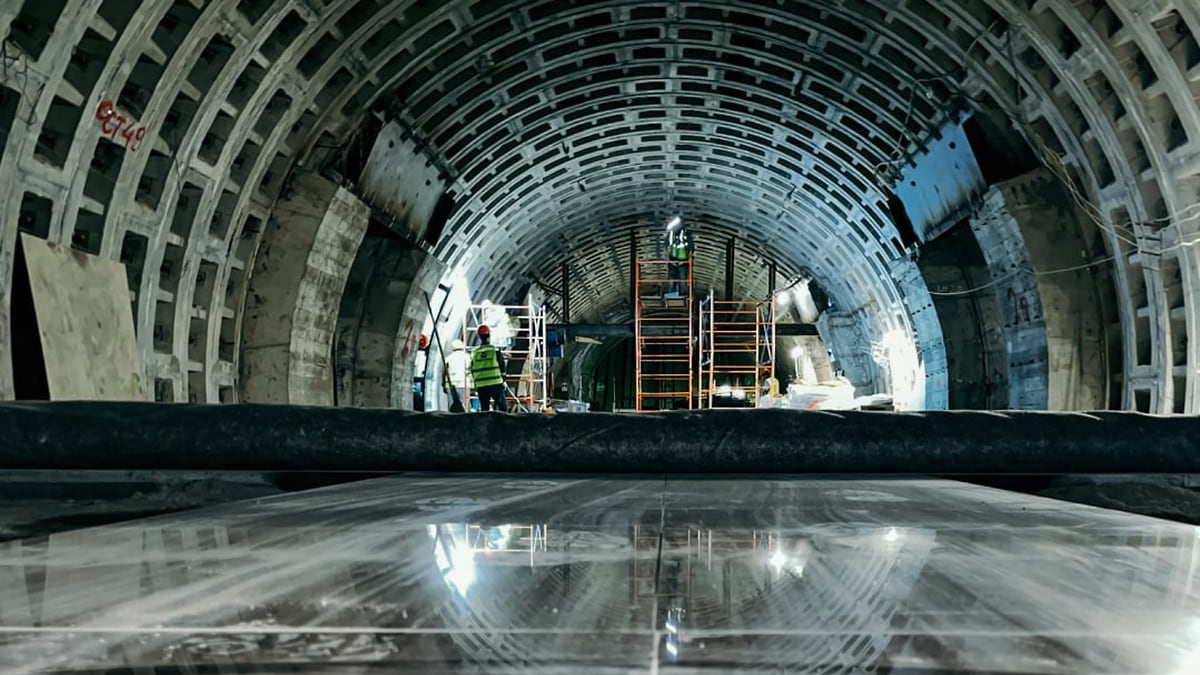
(484, 331)
(457, 345)
(423, 342)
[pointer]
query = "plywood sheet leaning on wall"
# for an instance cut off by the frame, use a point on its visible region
(84, 322)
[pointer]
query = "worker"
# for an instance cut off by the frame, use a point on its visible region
(497, 320)
(418, 385)
(458, 375)
(487, 368)
(679, 251)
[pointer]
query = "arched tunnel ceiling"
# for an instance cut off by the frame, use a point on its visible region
(766, 124)
(566, 124)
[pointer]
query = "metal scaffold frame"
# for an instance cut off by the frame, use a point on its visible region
(737, 342)
(519, 331)
(663, 334)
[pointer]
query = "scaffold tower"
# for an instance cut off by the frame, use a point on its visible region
(737, 349)
(663, 333)
(519, 331)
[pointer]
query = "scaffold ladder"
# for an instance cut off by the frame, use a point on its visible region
(737, 348)
(663, 334)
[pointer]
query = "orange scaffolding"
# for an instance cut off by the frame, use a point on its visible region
(737, 349)
(663, 333)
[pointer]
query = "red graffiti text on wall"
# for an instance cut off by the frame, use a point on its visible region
(118, 127)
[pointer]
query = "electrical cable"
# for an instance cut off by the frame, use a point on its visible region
(996, 282)
(23, 84)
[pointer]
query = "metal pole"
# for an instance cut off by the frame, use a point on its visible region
(729, 260)
(566, 293)
(637, 325)
(633, 269)
(771, 280)
(692, 380)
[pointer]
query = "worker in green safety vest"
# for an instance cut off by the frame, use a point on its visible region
(679, 250)
(487, 369)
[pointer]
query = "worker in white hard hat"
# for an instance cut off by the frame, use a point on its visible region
(458, 375)
(498, 322)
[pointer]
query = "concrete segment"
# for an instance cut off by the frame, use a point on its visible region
(299, 277)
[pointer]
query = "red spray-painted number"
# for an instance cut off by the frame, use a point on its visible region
(113, 124)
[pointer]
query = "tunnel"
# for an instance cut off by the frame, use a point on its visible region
(239, 239)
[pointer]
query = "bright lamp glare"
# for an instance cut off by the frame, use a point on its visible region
(674, 223)
(777, 560)
(797, 352)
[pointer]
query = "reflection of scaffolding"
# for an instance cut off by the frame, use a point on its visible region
(519, 331)
(737, 349)
(663, 335)
(508, 539)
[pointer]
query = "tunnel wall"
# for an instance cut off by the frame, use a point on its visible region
(1014, 287)
(931, 341)
(1052, 300)
(298, 279)
(971, 318)
(370, 318)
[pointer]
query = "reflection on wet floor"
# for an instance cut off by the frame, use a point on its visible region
(500, 574)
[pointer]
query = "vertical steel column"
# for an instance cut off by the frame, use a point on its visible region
(637, 326)
(633, 261)
(729, 253)
(692, 395)
(566, 293)
(771, 280)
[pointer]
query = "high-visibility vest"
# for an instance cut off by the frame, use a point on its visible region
(485, 366)
(679, 247)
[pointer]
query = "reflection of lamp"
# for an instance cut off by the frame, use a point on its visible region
(455, 560)
(778, 559)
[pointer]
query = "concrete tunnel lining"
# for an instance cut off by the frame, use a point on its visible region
(240, 95)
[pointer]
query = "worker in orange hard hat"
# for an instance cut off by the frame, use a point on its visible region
(487, 369)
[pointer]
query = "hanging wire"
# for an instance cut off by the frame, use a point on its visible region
(996, 282)
(22, 84)
(1053, 161)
